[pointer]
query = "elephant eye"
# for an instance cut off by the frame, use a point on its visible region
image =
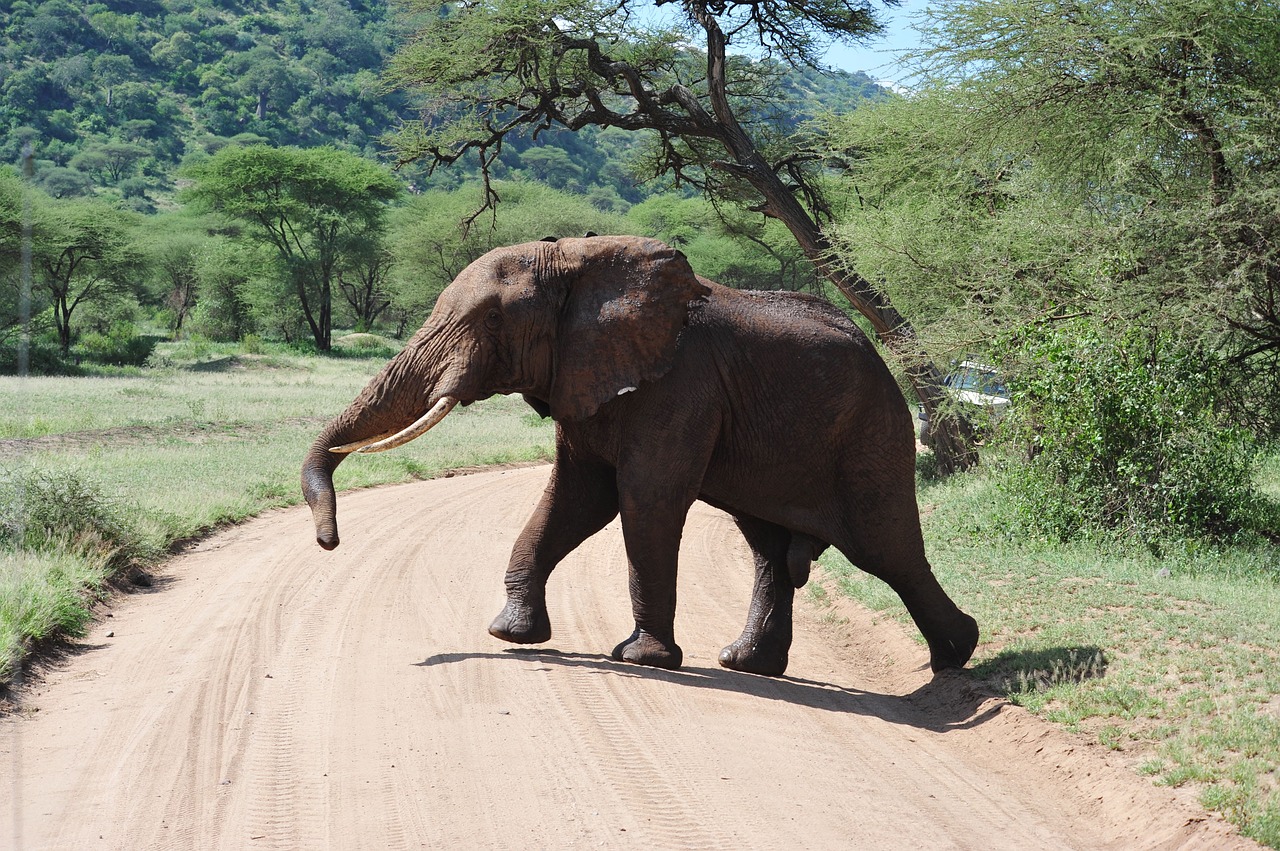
(493, 319)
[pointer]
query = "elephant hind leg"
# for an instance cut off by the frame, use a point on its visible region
(887, 543)
(765, 642)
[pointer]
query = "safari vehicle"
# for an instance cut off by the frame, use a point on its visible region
(977, 390)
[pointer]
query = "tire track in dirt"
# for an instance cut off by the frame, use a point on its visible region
(270, 695)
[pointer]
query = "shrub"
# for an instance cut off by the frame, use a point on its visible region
(1126, 435)
(120, 346)
(43, 357)
(133, 187)
(45, 511)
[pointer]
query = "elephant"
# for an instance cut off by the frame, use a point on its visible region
(667, 388)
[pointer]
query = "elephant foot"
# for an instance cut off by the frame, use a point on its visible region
(521, 623)
(641, 648)
(955, 650)
(753, 658)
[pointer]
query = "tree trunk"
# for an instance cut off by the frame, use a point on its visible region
(62, 320)
(326, 309)
(954, 445)
(318, 319)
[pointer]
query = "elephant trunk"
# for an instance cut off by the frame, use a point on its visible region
(388, 412)
(317, 487)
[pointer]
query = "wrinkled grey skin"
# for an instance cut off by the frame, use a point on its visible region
(667, 388)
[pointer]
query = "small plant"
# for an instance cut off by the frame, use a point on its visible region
(1035, 674)
(927, 469)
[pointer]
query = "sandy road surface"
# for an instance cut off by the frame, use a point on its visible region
(269, 695)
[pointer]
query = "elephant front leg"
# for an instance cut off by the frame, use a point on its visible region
(651, 529)
(766, 640)
(580, 499)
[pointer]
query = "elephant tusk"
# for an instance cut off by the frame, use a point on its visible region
(382, 443)
(352, 447)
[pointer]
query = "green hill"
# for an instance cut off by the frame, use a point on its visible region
(115, 95)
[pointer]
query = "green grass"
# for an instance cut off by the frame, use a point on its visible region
(1174, 662)
(44, 595)
(174, 452)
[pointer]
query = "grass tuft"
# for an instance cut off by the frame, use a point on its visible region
(44, 594)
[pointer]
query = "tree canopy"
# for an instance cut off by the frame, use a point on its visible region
(317, 209)
(484, 72)
(1088, 190)
(82, 255)
(1081, 157)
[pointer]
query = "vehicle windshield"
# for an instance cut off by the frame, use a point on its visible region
(987, 383)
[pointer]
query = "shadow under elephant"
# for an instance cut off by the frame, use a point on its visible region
(952, 700)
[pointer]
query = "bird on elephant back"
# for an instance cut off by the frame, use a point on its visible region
(666, 388)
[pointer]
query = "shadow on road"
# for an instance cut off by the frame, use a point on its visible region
(950, 701)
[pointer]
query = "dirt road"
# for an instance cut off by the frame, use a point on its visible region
(266, 694)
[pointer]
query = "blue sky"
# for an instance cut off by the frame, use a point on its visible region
(876, 56)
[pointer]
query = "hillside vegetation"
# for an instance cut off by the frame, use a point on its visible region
(115, 96)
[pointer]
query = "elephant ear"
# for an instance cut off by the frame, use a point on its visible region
(627, 303)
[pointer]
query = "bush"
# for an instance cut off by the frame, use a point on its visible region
(133, 187)
(1126, 436)
(45, 512)
(43, 358)
(60, 540)
(120, 346)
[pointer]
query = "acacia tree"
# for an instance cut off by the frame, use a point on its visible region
(317, 209)
(362, 280)
(485, 70)
(1096, 186)
(109, 161)
(83, 254)
(175, 247)
(1149, 133)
